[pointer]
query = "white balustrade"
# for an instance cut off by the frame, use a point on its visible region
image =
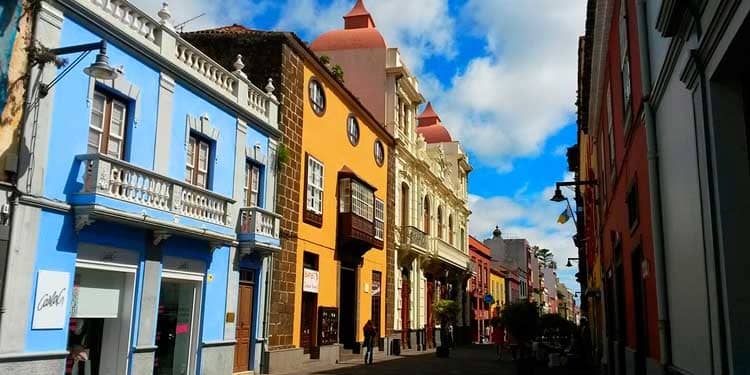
(257, 221)
(128, 16)
(449, 253)
(117, 179)
(204, 67)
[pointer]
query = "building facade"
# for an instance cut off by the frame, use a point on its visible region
(515, 256)
(331, 278)
(479, 290)
(145, 202)
(431, 171)
(498, 289)
(664, 106)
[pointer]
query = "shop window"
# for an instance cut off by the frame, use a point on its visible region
(107, 125)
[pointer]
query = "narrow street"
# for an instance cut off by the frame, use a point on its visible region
(474, 359)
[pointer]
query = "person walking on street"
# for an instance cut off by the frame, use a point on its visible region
(369, 332)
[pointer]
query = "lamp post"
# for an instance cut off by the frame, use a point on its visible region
(571, 264)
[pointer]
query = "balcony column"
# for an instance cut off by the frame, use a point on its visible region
(239, 170)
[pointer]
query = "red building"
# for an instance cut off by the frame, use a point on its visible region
(614, 224)
(478, 289)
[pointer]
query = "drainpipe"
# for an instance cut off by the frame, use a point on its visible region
(266, 315)
(665, 348)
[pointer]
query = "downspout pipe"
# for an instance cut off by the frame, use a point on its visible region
(657, 229)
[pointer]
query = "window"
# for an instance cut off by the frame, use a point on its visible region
(196, 163)
(625, 56)
(362, 201)
(632, 203)
(317, 97)
(426, 215)
(252, 184)
(379, 219)
(107, 125)
(440, 222)
(379, 153)
(352, 130)
(314, 190)
(611, 135)
(450, 230)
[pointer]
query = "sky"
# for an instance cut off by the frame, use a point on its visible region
(500, 73)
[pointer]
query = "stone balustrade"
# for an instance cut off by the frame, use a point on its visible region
(259, 222)
(117, 179)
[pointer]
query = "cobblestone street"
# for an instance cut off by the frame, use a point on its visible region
(475, 360)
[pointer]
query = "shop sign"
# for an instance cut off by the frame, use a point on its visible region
(51, 300)
(311, 282)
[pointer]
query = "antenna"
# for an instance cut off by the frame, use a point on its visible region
(181, 26)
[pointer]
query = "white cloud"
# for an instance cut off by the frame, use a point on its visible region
(532, 216)
(506, 103)
(217, 13)
(419, 28)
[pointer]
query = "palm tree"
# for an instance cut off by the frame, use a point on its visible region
(544, 256)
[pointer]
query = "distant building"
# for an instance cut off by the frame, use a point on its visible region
(479, 289)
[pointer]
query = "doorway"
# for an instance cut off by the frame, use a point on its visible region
(100, 321)
(641, 317)
(244, 326)
(405, 309)
(375, 313)
(348, 307)
(310, 286)
(177, 327)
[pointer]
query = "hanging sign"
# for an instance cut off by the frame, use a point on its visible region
(51, 300)
(311, 281)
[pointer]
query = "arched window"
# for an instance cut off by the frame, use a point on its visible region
(440, 222)
(450, 229)
(426, 215)
(404, 205)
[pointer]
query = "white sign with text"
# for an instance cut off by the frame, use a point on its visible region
(311, 281)
(51, 300)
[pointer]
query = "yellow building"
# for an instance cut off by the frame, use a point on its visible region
(497, 289)
(342, 220)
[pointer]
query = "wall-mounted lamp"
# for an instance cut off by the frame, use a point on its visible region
(99, 69)
(571, 264)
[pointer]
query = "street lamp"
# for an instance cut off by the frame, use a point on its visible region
(571, 264)
(558, 197)
(99, 69)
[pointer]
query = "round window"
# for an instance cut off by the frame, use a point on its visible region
(317, 97)
(379, 153)
(352, 130)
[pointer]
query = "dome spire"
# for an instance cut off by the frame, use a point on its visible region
(359, 17)
(428, 116)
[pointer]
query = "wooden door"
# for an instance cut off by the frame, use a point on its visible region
(428, 305)
(244, 325)
(376, 279)
(405, 298)
(309, 306)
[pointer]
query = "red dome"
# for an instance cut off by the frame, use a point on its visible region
(431, 127)
(434, 134)
(359, 32)
(348, 39)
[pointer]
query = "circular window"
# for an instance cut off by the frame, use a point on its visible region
(352, 130)
(317, 97)
(379, 153)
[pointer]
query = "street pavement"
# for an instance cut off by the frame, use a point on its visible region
(473, 360)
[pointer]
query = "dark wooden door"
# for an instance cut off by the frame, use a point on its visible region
(428, 305)
(405, 298)
(376, 278)
(243, 326)
(309, 307)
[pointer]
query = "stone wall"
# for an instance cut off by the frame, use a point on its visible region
(390, 243)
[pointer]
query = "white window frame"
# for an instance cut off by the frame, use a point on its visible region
(379, 218)
(362, 201)
(315, 185)
(254, 186)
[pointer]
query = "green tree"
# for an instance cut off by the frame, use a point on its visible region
(544, 255)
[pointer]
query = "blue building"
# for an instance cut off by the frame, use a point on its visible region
(145, 204)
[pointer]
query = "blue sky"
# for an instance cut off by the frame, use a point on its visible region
(500, 73)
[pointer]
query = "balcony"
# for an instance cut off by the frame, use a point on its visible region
(259, 230)
(360, 218)
(115, 190)
(414, 239)
(447, 253)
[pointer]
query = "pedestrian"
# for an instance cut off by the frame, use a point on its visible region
(450, 335)
(369, 332)
(499, 339)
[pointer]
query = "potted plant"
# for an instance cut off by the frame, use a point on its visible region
(520, 320)
(445, 311)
